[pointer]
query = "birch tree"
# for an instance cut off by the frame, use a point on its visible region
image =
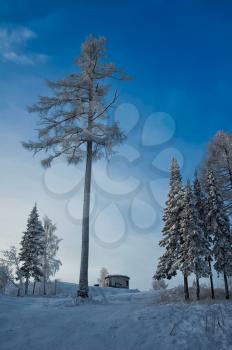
(5, 276)
(12, 259)
(74, 124)
(159, 284)
(50, 265)
(103, 273)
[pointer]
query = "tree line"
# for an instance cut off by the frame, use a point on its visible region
(197, 235)
(36, 259)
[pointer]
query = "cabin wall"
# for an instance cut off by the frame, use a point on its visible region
(117, 282)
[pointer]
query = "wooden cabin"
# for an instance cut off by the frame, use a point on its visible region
(117, 281)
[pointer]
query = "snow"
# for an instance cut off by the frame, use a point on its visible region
(113, 319)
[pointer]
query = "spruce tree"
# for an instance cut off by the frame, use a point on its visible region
(167, 266)
(200, 202)
(32, 247)
(218, 225)
(193, 249)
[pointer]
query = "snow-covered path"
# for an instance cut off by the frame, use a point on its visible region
(126, 321)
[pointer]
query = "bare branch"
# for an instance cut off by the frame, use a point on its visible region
(107, 107)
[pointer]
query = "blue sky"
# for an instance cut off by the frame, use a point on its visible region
(179, 53)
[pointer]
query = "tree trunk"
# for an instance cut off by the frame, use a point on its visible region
(186, 289)
(55, 286)
(44, 285)
(26, 286)
(34, 284)
(45, 269)
(226, 286)
(211, 280)
(198, 288)
(83, 280)
(20, 287)
(228, 164)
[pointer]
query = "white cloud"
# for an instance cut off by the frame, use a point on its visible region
(13, 42)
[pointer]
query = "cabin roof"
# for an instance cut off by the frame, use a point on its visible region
(109, 276)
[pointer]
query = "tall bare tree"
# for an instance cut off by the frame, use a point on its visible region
(74, 124)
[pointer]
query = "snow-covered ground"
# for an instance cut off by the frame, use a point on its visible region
(114, 320)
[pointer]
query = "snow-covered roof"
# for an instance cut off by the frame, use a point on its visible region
(109, 276)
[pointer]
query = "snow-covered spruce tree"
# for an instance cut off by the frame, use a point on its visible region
(200, 202)
(219, 160)
(194, 248)
(167, 265)
(218, 226)
(32, 247)
(74, 124)
(50, 265)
